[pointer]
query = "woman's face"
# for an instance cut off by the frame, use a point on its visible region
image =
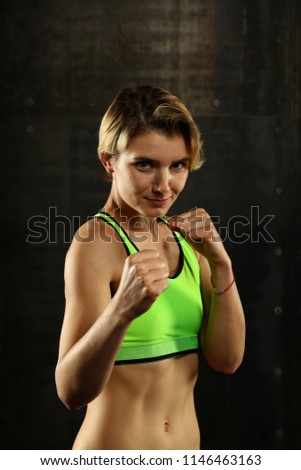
(151, 173)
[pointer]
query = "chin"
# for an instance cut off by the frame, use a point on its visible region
(152, 212)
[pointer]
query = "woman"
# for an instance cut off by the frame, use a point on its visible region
(144, 291)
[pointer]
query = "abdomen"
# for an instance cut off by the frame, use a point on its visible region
(145, 406)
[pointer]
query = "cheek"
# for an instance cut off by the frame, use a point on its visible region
(179, 183)
(133, 182)
(139, 180)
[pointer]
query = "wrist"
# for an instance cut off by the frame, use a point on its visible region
(219, 291)
(221, 268)
(222, 277)
(120, 312)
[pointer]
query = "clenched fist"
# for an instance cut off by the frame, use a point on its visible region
(143, 279)
(198, 229)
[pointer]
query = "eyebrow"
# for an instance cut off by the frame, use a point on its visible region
(149, 159)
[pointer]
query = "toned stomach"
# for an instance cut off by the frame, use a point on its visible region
(145, 406)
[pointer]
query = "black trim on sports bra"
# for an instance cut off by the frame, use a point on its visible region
(181, 254)
(156, 359)
(124, 244)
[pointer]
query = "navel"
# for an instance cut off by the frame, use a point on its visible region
(166, 426)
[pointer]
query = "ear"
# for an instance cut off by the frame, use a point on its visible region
(107, 161)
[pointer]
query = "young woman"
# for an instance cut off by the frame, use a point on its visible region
(145, 291)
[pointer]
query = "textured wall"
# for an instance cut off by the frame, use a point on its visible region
(237, 66)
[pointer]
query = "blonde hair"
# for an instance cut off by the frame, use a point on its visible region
(148, 108)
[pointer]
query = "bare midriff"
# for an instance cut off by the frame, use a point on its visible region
(145, 406)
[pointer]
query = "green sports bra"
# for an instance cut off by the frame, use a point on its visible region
(172, 325)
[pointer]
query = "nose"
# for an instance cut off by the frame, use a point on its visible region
(161, 182)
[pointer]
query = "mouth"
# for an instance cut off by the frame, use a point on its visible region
(159, 202)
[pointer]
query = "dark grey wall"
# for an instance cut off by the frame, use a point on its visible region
(237, 66)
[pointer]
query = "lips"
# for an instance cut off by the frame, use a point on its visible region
(159, 202)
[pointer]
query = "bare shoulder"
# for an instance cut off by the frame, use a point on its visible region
(93, 248)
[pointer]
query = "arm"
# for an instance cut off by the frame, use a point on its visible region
(92, 329)
(223, 328)
(94, 323)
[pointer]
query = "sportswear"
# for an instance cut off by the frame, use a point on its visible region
(172, 325)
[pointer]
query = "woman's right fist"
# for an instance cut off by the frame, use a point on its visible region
(143, 279)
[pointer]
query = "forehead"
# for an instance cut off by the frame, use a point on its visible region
(154, 143)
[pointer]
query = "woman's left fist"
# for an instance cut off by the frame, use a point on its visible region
(197, 228)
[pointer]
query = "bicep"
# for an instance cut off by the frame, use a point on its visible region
(87, 291)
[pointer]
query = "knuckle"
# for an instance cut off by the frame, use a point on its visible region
(162, 264)
(180, 219)
(139, 271)
(150, 292)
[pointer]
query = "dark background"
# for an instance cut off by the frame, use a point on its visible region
(236, 64)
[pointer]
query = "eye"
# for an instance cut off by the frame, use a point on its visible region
(143, 165)
(180, 165)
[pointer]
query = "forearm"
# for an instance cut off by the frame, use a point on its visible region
(224, 337)
(84, 371)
